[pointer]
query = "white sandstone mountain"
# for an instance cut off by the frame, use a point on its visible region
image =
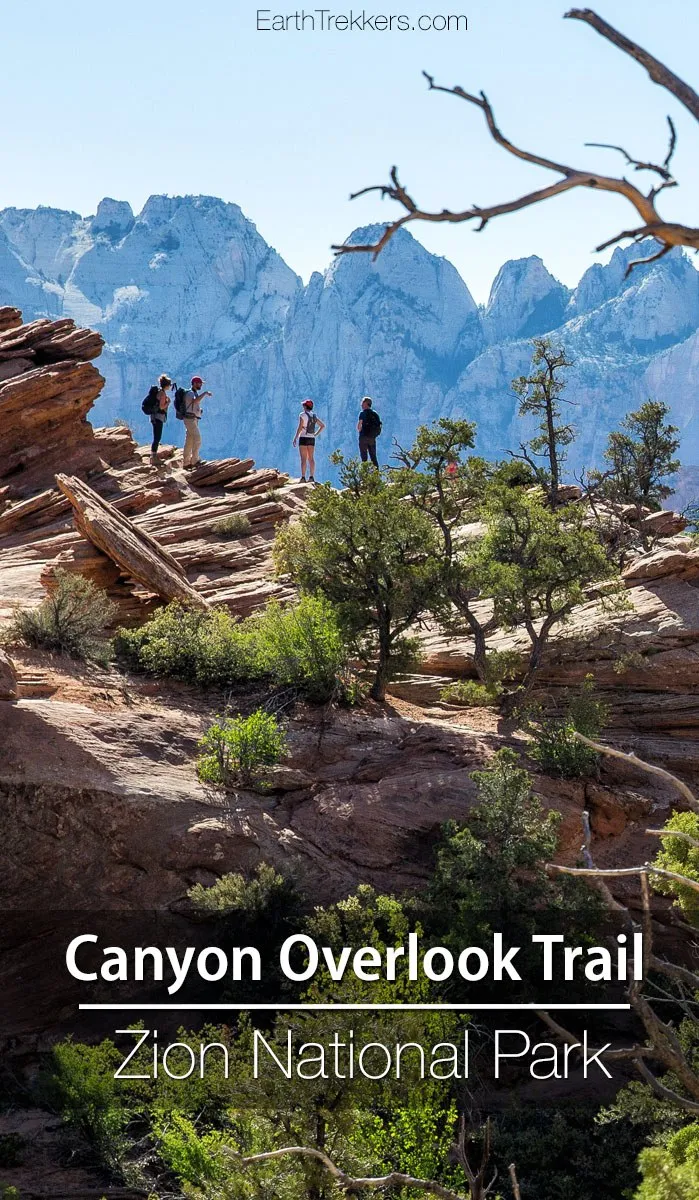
(189, 284)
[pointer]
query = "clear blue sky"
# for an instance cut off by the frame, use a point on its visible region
(180, 96)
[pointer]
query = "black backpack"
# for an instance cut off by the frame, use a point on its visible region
(180, 403)
(372, 423)
(151, 404)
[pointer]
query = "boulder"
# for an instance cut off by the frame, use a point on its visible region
(663, 524)
(660, 563)
(8, 678)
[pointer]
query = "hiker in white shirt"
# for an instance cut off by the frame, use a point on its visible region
(307, 430)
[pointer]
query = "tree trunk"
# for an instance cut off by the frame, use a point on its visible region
(553, 454)
(378, 687)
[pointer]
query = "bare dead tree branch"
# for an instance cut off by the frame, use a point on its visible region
(349, 1183)
(515, 1182)
(475, 1175)
(675, 833)
(657, 71)
(667, 234)
(661, 169)
(663, 1045)
(685, 791)
(664, 1092)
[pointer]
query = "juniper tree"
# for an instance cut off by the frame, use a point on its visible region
(641, 458)
(369, 552)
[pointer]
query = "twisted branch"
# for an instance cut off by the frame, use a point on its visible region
(667, 234)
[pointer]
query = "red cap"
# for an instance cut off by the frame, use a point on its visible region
(307, 403)
(197, 381)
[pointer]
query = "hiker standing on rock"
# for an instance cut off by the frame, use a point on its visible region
(188, 408)
(308, 429)
(155, 406)
(369, 426)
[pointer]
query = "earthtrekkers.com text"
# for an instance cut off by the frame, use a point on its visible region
(323, 19)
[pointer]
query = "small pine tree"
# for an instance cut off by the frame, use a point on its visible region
(541, 393)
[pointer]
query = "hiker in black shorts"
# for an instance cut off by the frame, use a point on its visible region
(369, 426)
(308, 428)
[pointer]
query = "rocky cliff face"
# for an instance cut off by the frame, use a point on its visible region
(189, 284)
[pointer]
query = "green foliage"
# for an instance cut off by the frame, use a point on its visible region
(369, 553)
(257, 899)
(561, 1152)
(196, 646)
(493, 866)
(533, 563)
(234, 750)
(489, 873)
(500, 665)
(681, 854)
(82, 1086)
(12, 1146)
(237, 525)
(300, 645)
(471, 694)
(671, 1172)
(541, 394)
(192, 1156)
(70, 620)
(555, 746)
(641, 458)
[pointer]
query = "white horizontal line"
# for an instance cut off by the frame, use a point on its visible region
(350, 1007)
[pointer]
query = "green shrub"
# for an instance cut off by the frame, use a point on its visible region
(501, 665)
(301, 645)
(671, 1172)
(266, 895)
(208, 648)
(71, 620)
(11, 1149)
(234, 750)
(557, 749)
(83, 1088)
(195, 1158)
(471, 693)
(237, 525)
(681, 855)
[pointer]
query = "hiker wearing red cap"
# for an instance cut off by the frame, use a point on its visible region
(307, 430)
(192, 416)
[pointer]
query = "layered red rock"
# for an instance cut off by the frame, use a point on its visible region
(47, 387)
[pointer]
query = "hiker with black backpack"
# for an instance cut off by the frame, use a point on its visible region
(369, 426)
(188, 409)
(155, 406)
(308, 429)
